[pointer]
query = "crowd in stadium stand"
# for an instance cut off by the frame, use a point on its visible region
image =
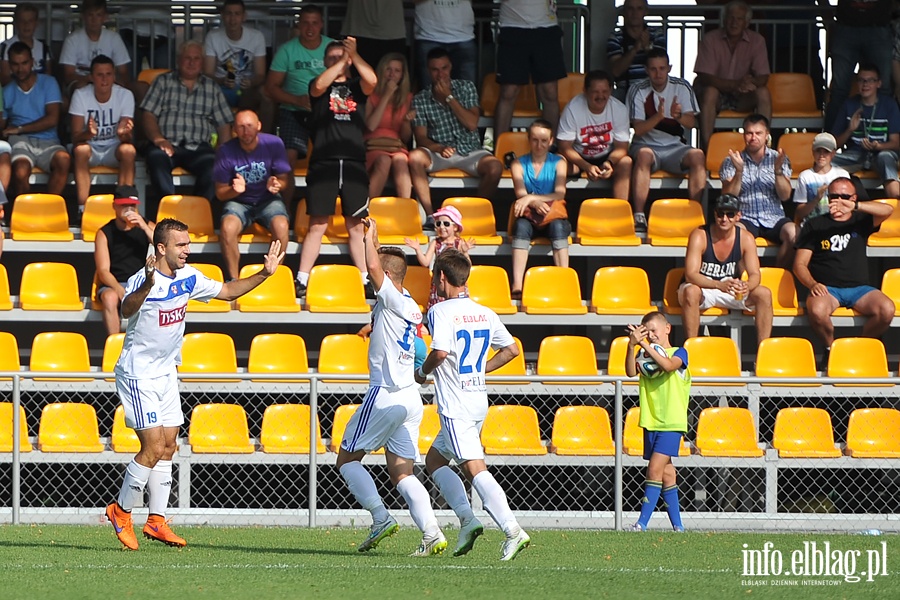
(369, 121)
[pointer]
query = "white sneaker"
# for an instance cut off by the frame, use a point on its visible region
(512, 546)
(431, 547)
(636, 527)
(468, 533)
(378, 533)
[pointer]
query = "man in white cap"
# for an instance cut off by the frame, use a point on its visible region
(809, 191)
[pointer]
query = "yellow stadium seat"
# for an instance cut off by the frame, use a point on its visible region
(713, 357)
(515, 367)
(621, 291)
(889, 232)
(512, 430)
(890, 285)
(672, 220)
(344, 354)
(727, 431)
(276, 294)
(193, 211)
(219, 429)
(50, 286)
(40, 217)
(786, 357)
(582, 431)
(570, 87)
(69, 427)
(552, 291)
(618, 349)
(339, 425)
(215, 305)
(301, 167)
(606, 222)
(98, 211)
(719, 144)
(124, 439)
(489, 286)
(255, 233)
(5, 300)
(278, 353)
(633, 435)
(798, 148)
(285, 430)
(477, 217)
(804, 433)
(526, 102)
(6, 429)
(335, 289)
(397, 218)
(793, 96)
(9, 353)
(208, 353)
(671, 305)
(567, 355)
(857, 357)
(874, 433)
(418, 283)
(336, 231)
(511, 141)
(429, 429)
(60, 351)
(784, 292)
(149, 75)
(112, 348)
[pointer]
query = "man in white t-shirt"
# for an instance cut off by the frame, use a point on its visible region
(25, 23)
(461, 332)
(662, 108)
(391, 411)
(593, 134)
(155, 304)
(92, 40)
(234, 56)
(809, 191)
(102, 118)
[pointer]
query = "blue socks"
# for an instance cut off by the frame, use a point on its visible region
(670, 497)
(652, 490)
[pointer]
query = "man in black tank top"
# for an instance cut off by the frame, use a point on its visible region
(717, 255)
(120, 250)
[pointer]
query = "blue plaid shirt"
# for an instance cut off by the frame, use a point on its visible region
(760, 204)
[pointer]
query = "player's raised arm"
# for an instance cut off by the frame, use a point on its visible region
(239, 287)
(373, 261)
(133, 301)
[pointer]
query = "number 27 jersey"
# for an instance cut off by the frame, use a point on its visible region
(464, 329)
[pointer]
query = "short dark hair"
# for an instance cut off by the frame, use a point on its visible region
(658, 53)
(163, 228)
(393, 259)
(26, 8)
(228, 3)
(311, 8)
(755, 118)
(648, 317)
(542, 123)
(454, 265)
(597, 75)
(334, 44)
(438, 52)
(102, 59)
(869, 66)
(89, 5)
(20, 48)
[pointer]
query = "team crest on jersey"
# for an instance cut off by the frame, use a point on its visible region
(173, 316)
(177, 288)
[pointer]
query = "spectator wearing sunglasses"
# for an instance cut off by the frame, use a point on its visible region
(717, 255)
(831, 262)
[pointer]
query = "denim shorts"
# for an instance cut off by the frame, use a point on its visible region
(664, 442)
(849, 296)
(262, 213)
(524, 231)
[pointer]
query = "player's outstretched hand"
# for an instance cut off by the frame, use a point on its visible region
(274, 257)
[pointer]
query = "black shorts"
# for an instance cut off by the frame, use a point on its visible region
(536, 53)
(293, 130)
(773, 234)
(328, 179)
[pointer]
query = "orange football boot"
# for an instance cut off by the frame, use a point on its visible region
(121, 522)
(157, 528)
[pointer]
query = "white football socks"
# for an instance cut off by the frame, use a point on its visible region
(133, 485)
(159, 485)
(454, 492)
(361, 485)
(495, 502)
(419, 503)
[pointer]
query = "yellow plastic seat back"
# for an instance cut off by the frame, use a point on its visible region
(341, 418)
(208, 353)
(69, 427)
(671, 303)
(275, 294)
(9, 353)
(124, 438)
(335, 289)
(804, 433)
(570, 87)
(784, 291)
(418, 283)
(193, 211)
(552, 291)
(478, 214)
(397, 218)
(798, 147)
(515, 367)
(567, 355)
(713, 357)
(511, 141)
(40, 217)
(890, 286)
(672, 220)
(621, 291)
(606, 222)
(336, 231)
(786, 357)
(63, 351)
(526, 102)
(219, 429)
(345, 354)
(632, 433)
(5, 299)
(874, 433)
(148, 76)
(582, 431)
(429, 429)
(889, 232)
(98, 211)
(512, 430)
(727, 431)
(793, 95)
(6, 429)
(489, 286)
(112, 348)
(50, 286)
(215, 305)
(857, 357)
(285, 430)
(719, 144)
(278, 353)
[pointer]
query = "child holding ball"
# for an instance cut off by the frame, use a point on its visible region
(664, 400)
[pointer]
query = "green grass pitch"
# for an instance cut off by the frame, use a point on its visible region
(52, 561)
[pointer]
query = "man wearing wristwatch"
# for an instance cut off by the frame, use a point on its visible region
(446, 131)
(831, 261)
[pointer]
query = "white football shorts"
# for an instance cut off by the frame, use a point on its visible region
(150, 402)
(459, 440)
(386, 419)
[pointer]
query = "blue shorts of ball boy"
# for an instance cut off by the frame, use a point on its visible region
(664, 442)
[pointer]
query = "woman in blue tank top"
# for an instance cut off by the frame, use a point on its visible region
(539, 178)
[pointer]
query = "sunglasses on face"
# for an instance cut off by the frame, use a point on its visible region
(841, 196)
(726, 213)
(443, 223)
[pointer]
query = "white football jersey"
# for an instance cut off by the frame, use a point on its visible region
(155, 332)
(464, 329)
(392, 347)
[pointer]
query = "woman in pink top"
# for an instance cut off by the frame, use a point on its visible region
(388, 119)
